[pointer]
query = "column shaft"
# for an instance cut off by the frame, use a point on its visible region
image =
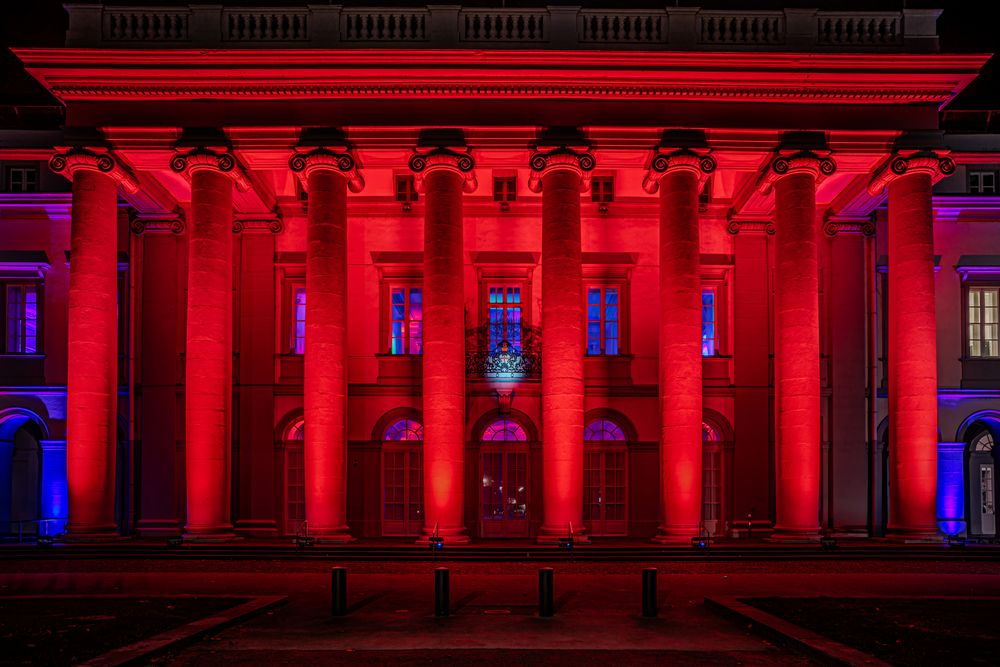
(208, 382)
(325, 381)
(562, 354)
(444, 356)
(912, 358)
(680, 357)
(91, 392)
(796, 364)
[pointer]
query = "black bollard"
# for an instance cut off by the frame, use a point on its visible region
(649, 592)
(442, 594)
(546, 588)
(338, 591)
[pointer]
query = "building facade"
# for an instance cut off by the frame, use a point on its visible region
(523, 273)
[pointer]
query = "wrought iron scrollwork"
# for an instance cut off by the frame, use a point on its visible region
(504, 360)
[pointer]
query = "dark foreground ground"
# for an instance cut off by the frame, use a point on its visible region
(879, 607)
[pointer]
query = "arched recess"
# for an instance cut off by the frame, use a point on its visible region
(606, 434)
(505, 473)
(716, 472)
(21, 503)
(400, 435)
(289, 436)
(981, 434)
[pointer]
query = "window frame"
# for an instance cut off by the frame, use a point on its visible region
(716, 279)
(406, 335)
(979, 188)
(386, 286)
(518, 276)
(603, 288)
(601, 194)
(968, 288)
(508, 191)
(39, 286)
(8, 177)
(603, 526)
(603, 277)
(291, 283)
(407, 194)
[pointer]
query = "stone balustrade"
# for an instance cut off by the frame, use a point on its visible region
(333, 26)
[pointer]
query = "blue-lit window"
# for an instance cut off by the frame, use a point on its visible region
(22, 310)
(505, 316)
(299, 321)
(709, 324)
(603, 320)
(406, 315)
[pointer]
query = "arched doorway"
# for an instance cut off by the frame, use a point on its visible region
(981, 481)
(503, 507)
(716, 463)
(402, 478)
(20, 473)
(605, 476)
(294, 478)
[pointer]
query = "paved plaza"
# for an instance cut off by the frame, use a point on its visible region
(494, 618)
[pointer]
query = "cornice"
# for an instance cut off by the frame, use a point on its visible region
(144, 74)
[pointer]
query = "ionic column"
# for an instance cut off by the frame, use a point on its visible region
(442, 176)
(326, 176)
(912, 344)
(796, 358)
(678, 176)
(560, 175)
(209, 347)
(92, 363)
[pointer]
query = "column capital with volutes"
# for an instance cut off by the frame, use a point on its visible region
(459, 160)
(664, 161)
(69, 161)
(933, 163)
(221, 160)
(337, 159)
(547, 159)
(787, 163)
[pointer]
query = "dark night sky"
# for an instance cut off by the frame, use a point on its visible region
(964, 27)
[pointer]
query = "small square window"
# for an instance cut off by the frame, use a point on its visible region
(602, 189)
(22, 179)
(406, 190)
(982, 182)
(504, 188)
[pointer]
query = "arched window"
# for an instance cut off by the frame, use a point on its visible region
(404, 429)
(711, 479)
(984, 443)
(402, 478)
(600, 430)
(504, 468)
(295, 478)
(504, 430)
(604, 478)
(981, 485)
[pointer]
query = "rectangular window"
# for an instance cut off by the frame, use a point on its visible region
(295, 490)
(22, 179)
(504, 188)
(602, 189)
(21, 331)
(505, 315)
(406, 190)
(709, 340)
(603, 317)
(711, 485)
(406, 314)
(983, 322)
(299, 321)
(982, 182)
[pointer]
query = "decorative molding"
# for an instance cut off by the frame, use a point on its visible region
(425, 160)
(787, 163)
(737, 226)
(549, 158)
(259, 222)
(220, 160)
(172, 222)
(929, 162)
(663, 160)
(864, 226)
(68, 161)
(340, 159)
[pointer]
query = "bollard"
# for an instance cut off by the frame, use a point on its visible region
(338, 591)
(649, 592)
(545, 590)
(442, 595)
